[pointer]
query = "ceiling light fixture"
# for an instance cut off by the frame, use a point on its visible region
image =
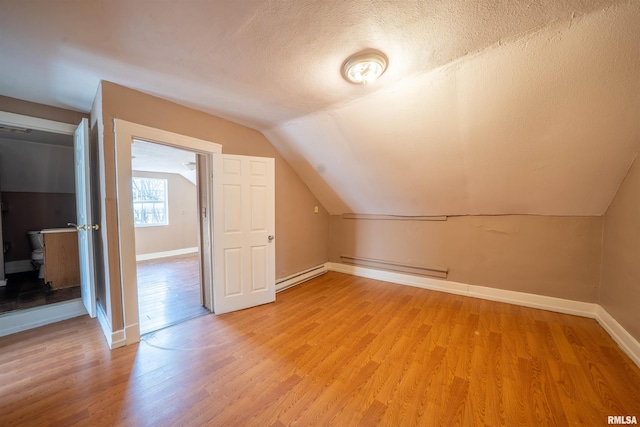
(364, 67)
(14, 129)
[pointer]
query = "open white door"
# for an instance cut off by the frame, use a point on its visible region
(83, 208)
(243, 232)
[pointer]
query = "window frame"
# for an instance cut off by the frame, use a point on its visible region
(135, 202)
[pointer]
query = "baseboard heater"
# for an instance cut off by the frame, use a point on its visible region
(300, 277)
(393, 217)
(395, 266)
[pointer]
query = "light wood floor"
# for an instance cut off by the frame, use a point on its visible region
(168, 291)
(335, 351)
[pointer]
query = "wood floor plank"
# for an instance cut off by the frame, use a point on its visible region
(169, 291)
(336, 350)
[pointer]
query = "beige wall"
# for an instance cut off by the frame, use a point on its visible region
(182, 230)
(620, 283)
(553, 256)
(302, 237)
(41, 111)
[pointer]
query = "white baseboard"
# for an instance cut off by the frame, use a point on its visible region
(303, 276)
(114, 339)
(626, 342)
(132, 334)
(619, 334)
(22, 320)
(166, 254)
(19, 266)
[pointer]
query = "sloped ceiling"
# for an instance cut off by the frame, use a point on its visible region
(150, 157)
(488, 107)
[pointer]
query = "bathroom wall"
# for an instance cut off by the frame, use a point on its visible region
(33, 211)
(36, 167)
(182, 230)
(38, 190)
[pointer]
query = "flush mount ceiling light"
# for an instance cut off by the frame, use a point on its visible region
(14, 129)
(364, 67)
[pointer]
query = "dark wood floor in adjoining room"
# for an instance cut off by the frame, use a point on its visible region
(337, 350)
(168, 291)
(25, 290)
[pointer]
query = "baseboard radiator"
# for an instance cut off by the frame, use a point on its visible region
(395, 266)
(392, 217)
(303, 276)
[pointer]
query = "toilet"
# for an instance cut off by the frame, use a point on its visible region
(37, 257)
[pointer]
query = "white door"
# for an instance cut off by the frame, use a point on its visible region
(243, 232)
(83, 208)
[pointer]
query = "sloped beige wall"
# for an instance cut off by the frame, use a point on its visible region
(182, 230)
(544, 255)
(302, 237)
(620, 284)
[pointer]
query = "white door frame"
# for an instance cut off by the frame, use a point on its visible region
(28, 122)
(125, 132)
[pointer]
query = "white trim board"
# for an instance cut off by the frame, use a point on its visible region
(619, 334)
(22, 320)
(166, 254)
(594, 311)
(300, 277)
(28, 122)
(114, 339)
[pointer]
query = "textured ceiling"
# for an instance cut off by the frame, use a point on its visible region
(487, 107)
(150, 157)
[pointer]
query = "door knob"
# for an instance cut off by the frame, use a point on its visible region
(87, 227)
(271, 237)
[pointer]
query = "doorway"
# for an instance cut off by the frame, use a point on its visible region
(47, 185)
(241, 273)
(167, 229)
(125, 135)
(38, 193)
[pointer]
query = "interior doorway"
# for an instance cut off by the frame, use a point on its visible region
(35, 198)
(17, 320)
(237, 205)
(167, 228)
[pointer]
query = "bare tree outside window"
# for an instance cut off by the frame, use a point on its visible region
(149, 201)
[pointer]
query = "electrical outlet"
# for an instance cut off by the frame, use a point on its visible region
(315, 209)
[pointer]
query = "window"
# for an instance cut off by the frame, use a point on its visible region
(149, 202)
